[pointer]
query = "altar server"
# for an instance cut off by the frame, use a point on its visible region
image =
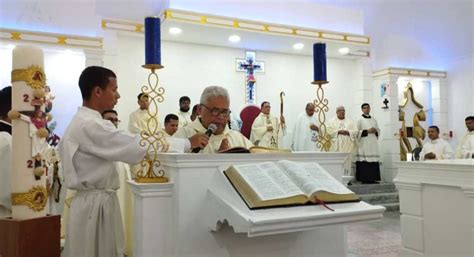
(88, 150)
(367, 157)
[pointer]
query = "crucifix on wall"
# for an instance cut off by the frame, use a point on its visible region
(250, 66)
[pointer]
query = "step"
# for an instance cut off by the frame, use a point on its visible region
(391, 206)
(362, 189)
(380, 198)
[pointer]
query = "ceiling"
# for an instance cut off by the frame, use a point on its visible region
(253, 40)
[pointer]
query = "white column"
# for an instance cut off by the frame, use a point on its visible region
(94, 57)
(152, 218)
(411, 219)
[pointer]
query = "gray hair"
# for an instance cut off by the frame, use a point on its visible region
(340, 107)
(213, 91)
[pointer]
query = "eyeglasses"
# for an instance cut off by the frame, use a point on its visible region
(216, 111)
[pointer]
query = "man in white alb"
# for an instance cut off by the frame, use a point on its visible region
(465, 148)
(184, 114)
(343, 132)
(214, 109)
(305, 132)
(88, 150)
(137, 121)
(267, 130)
(171, 124)
(435, 148)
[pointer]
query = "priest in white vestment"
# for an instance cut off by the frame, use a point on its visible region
(214, 109)
(305, 132)
(267, 130)
(184, 114)
(465, 148)
(171, 124)
(435, 148)
(343, 133)
(137, 121)
(367, 156)
(88, 150)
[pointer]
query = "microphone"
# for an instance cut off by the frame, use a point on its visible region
(210, 130)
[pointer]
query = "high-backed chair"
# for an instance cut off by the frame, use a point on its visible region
(248, 115)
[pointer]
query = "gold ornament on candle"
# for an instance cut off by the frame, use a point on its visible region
(34, 199)
(33, 76)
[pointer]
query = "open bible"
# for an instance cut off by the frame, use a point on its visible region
(286, 183)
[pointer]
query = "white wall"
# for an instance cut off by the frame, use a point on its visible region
(189, 68)
(460, 95)
(62, 68)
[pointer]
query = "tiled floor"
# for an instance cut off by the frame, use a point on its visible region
(375, 239)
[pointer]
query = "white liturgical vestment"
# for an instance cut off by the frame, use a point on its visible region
(367, 145)
(184, 119)
(465, 149)
(304, 138)
(5, 174)
(88, 150)
(137, 121)
(343, 143)
(261, 136)
(439, 147)
(235, 138)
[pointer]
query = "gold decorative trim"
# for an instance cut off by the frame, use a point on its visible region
(33, 76)
(51, 38)
(410, 72)
(35, 199)
(409, 90)
(241, 24)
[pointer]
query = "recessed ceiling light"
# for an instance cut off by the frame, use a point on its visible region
(175, 31)
(234, 38)
(344, 51)
(298, 46)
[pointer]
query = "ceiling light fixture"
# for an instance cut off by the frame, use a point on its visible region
(175, 31)
(344, 51)
(298, 46)
(234, 38)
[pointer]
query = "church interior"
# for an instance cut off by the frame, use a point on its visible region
(412, 62)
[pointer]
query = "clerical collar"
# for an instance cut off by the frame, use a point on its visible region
(366, 116)
(434, 141)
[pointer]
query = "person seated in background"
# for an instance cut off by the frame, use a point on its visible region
(171, 124)
(465, 148)
(194, 112)
(435, 148)
(112, 116)
(214, 109)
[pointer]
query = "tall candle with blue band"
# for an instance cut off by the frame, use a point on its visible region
(152, 40)
(319, 62)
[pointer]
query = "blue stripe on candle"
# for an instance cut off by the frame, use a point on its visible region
(152, 40)
(319, 62)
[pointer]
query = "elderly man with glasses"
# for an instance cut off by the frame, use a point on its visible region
(214, 109)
